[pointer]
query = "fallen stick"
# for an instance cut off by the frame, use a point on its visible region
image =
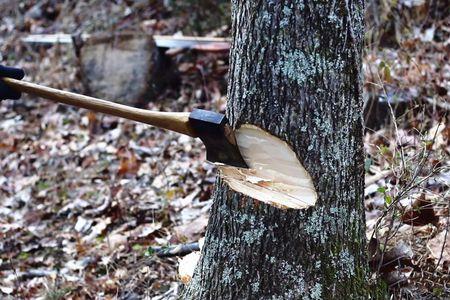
(162, 41)
(177, 250)
(435, 102)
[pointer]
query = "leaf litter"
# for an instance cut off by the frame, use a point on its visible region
(82, 195)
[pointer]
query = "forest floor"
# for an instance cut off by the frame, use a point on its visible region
(83, 196)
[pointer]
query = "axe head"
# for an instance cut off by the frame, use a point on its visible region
(213, 129)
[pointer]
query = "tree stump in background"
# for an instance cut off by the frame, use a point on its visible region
(119, 67)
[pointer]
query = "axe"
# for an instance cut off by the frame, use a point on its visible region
(211, 127)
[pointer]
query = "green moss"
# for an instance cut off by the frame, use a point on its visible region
(379, 291)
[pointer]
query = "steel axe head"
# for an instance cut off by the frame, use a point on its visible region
(215, 132)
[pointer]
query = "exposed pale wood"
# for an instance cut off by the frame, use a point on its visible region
(175, 121)
(169, 41)
(56, 38)
(284, 184)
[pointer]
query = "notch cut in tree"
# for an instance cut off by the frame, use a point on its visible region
(275, 175)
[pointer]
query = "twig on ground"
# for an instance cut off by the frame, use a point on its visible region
(441, 104)
(177, 250)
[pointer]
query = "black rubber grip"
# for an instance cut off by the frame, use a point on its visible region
(11, 72)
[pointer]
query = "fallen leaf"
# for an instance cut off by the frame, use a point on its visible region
(398, 277)
(399, 256)
(6, 289)
(193, 230)
(421, 213)
(145, 230)
(116, 239)
(128, 162)
(186, 266)
(440, 244)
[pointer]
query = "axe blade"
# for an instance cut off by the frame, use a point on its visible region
(213, 129)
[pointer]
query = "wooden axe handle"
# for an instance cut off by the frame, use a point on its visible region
(175, 121)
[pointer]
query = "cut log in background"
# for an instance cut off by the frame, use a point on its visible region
(127, 67)
(119, 67)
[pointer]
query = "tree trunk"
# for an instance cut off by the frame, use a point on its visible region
(296, 73)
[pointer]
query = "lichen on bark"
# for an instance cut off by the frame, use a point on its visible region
(295, 71)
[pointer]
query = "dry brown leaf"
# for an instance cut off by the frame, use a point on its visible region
(128, 162)
(399, 256)
(193, 230)
(421, 213)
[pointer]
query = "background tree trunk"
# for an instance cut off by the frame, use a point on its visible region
(295, 72)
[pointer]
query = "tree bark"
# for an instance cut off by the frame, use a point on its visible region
(295, 71)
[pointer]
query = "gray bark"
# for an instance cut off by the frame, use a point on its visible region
(295, 71)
